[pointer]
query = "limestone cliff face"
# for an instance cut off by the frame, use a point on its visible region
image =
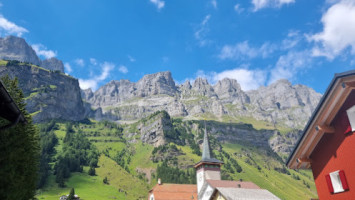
(153, 129)
(284, 103)
(16, 48)
(280, 104)
(48, 94)
(53, 64)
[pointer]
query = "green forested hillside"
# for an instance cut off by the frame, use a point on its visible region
(132, 167)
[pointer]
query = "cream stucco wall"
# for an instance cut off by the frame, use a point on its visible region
(212, 175)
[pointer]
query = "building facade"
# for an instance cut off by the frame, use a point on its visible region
(327, 145)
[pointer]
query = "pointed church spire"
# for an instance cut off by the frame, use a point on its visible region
(206, 152)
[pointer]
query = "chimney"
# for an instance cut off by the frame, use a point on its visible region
(159, 181)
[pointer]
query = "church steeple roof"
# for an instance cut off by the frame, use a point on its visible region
(206, 151)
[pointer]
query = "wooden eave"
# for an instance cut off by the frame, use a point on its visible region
(321, 119)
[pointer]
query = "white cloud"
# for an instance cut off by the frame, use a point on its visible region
(260, 4)
(93, 61)
(242, 50)
(8, 27)
(158, 3)
(293, 38)
(214, 3)
(131, 59)
(41, 50)
(68, 67)
(238, 9)
(202, 30)
(247, 78)
(93, 82)
(86, 84)
(289, 65)
(123, 69)
(338, 30)
(79, 62)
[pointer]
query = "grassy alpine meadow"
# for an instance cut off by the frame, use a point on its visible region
(261, 171)
(131, 173)
(85, 186)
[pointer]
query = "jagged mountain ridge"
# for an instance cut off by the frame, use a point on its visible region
(16, 48)
(279, 104)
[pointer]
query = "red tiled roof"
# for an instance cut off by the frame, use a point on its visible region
(174, 192)
(233, 184)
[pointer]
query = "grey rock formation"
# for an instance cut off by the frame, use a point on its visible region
(53, 64)
(153, 129)
(279, 105)
(87, 94)
(229, 91)
(153, 84)
(15, 48)
(203, 88)
(284, 104)
(48, 94)
(284, 143)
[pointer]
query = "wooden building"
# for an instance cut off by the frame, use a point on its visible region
(9, 109)
(327, 145)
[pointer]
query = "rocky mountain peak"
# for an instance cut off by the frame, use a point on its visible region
(53, 64)
(200, 82)
(186, 85)
(16, 48)
(202, 87)
(229, 91)
(229, 84)
(87, 93)
(281, 83)
(158, 83)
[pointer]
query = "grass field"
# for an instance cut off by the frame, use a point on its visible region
(87, 187)
(282, 185)
(127, 185)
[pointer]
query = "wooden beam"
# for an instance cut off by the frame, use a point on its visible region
(325, 128)
(348, 84)
(304, 160)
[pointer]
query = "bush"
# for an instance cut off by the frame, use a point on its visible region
(105, 181)
(92, 171)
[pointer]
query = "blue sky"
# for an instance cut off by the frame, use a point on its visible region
(254, 41)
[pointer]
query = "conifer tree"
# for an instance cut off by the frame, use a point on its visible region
(19, 151)
(71, 195)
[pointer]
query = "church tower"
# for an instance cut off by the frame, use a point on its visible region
(208, 168)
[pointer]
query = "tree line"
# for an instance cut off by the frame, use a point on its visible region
(77, 152)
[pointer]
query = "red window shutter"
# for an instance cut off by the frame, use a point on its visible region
(348, 129)
(343, 180)
(346, 124)
(329, 183)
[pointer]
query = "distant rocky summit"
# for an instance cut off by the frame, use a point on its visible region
(53, 64)
(16, 48)
(280, 104)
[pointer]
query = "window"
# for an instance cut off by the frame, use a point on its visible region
(351, 117)
(337, 182)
